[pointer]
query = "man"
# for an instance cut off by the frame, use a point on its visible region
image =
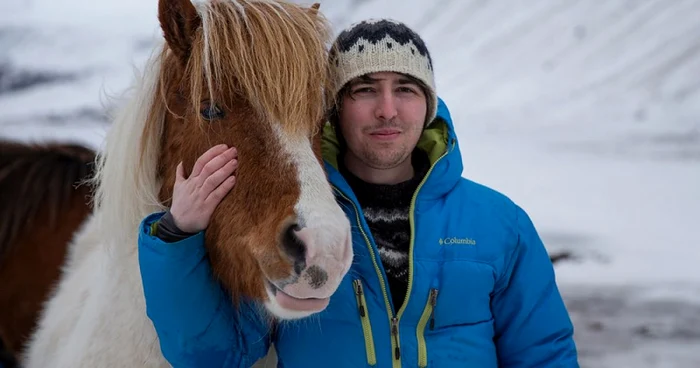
(446, 273)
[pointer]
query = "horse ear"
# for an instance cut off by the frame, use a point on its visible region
(314, 9)
(179, 21)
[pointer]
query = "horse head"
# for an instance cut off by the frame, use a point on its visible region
(252, 74)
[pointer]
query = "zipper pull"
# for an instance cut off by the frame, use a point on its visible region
(395, 332)
(433, 303)
(358, 292)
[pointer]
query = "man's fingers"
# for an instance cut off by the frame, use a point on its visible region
(217, 163)
(206, 157)
(220, 192)
(179, 173)
(218, 177)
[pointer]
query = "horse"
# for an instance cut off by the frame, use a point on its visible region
(44, 201)
(247, 73)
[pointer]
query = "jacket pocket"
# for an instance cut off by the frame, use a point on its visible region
(426, 319)
(366, 326)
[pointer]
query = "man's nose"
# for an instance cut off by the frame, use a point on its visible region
(386, 106)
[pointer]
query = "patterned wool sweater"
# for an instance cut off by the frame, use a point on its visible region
(386, 210)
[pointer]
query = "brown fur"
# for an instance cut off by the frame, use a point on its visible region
(42, 205)
(267, 68)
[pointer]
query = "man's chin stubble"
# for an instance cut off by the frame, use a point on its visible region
(375, 162)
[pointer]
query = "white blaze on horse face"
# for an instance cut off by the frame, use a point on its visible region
(325, 230)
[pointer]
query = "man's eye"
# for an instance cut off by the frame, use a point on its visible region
(406, 90)
(363, 90)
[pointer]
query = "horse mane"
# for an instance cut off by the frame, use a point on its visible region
(238, 50)
(279, 74)
(125, 178)
(38, 178)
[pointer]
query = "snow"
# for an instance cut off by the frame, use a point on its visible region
(587, 114)
(636, 218)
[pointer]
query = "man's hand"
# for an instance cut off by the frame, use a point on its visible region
(196, 197)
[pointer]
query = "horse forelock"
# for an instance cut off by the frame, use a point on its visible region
(240, 50)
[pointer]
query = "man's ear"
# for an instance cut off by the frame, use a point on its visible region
(179, 21)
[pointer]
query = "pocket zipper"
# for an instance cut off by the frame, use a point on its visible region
(428, 317)
(366, 326)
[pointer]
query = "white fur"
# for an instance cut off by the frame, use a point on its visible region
(316, 209)
(96, 318)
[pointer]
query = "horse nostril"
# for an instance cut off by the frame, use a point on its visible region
(294, 247)
(316, 276)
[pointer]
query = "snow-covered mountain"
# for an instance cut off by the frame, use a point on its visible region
(586, 113)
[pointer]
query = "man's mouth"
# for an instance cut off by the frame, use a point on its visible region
(386, 133)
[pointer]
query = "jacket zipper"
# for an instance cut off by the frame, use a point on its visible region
(395, 335)
(366, 326)
(382, 285)
(394, 319)
(411, 220)
(428, 317)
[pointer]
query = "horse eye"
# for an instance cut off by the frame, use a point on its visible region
(212, 112)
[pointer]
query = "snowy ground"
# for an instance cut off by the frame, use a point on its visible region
(586, 113)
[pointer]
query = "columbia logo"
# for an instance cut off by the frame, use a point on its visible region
(457, 241)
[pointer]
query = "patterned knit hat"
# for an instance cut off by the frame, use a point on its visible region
(382, 45)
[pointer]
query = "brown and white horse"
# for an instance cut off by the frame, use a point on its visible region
(250, 74)
(43, 201)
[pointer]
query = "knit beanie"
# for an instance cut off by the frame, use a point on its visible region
(382, 45)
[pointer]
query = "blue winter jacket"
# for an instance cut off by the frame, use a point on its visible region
(481, 292)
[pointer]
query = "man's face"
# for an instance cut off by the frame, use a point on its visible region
(381, 118)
